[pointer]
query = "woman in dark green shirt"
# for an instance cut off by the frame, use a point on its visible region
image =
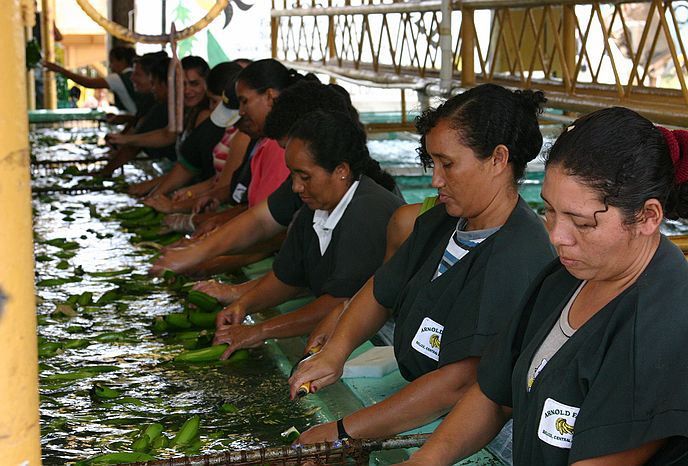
(591, 368)
(335, 243)
(451, 286)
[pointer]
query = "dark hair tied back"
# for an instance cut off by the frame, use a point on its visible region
(268, 73)
(333, 138)
(304, 97)
(487, 116)
(625, 158)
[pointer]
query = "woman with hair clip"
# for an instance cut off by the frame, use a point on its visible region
(451, 285)
(590, 367)
(336, 241)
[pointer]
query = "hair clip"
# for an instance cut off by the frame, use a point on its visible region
(570, 128)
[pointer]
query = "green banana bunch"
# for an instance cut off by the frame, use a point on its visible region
(210, 354)
(144, 441)
(101, 392)
(203, 301)
(188, 432)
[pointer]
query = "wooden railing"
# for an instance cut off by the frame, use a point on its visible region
(584, 54)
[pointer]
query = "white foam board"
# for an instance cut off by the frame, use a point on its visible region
(378, 361)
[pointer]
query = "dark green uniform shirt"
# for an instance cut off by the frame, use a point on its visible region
(453, 317)
(196, 152)
(284, 203)
(156, 118)
(356, 250)
(620, 381)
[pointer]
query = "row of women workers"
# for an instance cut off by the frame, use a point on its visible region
(478, 276)
(582, 351)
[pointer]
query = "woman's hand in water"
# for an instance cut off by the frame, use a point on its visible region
(238, 337)
(177, 260)
(139, 189)
(233, 314)
(160, 202)
(206, 204)
(326, 432)
(223, 292)
(203, 228)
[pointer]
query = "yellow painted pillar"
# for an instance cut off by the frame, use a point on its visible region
(48, 38)
(19, 428)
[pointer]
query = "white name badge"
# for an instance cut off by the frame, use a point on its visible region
(428, 338)
(556, 423)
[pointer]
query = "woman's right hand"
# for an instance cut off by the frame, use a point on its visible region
(139, 189)
(177, 260)
(323, 331)
(206, 204)
(320, 370)
(207, 226)
(233, 314)
(224, 293)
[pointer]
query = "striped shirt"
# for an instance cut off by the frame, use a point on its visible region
(460, 244)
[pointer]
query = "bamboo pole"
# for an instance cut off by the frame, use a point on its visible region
(124, 34)
(447, 70)
(569, 39)
(467, 47)
(274, 30)
(293, 452)
(48, 38)
(19, 428)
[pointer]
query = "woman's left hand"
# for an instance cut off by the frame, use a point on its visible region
(118, 139)
(237, 337)
(160, 203)
(321, 433)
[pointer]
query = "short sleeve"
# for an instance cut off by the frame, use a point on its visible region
(393, 275)
(268, 172)
(196, 152)
(116, 84)
(642, 396)
(155, 118)
(284, 203)
(289, 265)
(500, 355)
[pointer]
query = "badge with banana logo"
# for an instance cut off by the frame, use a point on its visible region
(563, 427)
(557, 423)
(428, 338)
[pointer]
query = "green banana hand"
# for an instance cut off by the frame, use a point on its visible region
(187, 432)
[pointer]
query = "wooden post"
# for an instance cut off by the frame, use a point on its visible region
(569, 41)
(274, 30)
(467, 47)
